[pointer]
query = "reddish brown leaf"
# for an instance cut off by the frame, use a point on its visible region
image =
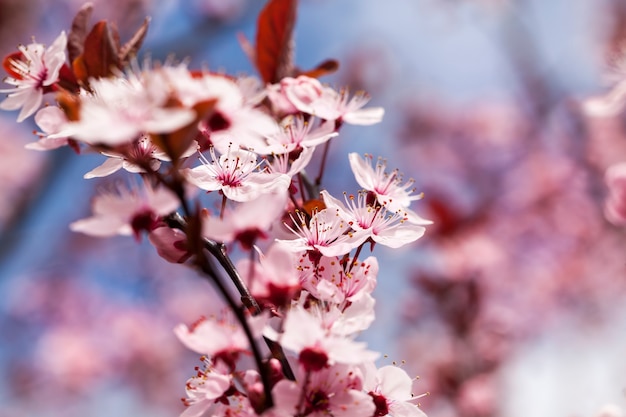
(67, 79)
(312, 206)
(78, 32)
(131, 47)
(100, 55)
(115, 37)
(80, 69)
(70, 104)
(327, 67)
(174, 144)
(274, 55)
(247, 47)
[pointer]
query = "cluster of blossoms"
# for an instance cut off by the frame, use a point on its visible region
(247, 144)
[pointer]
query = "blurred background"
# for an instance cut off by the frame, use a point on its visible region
(511, 305)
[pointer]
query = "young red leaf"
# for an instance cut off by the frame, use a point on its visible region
(174, 144)
(78, 32)
(327, 67)
(131, 47)
(274, 55)
(70, 104)
(100, 55)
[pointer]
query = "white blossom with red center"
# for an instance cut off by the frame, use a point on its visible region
(387, 187)
(326, 234)
(274, 278)
(331, 279)
(32, 73)
(316, 345)
(375, 222)
(205, 388)
(116, 111)
(390, 388)
(51, 120)
(296, 133)
(339, 106)
(302, 90)
(248, 222)
(134, 157)
(235, 121)
(236, 174)
(334, 391)
(220, 338)
(128, 211)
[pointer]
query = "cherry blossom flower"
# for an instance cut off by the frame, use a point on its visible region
(283, 163)
(211, 383)
(249, 221)
(390, 387)
(336, 105)
(317, 347)
(51, 120)
(33, 74)
(327, 279)
(235, 174)
(119, 110)
(296, 133)
(129, 157)
(235, 122)
(333, 391)
(127, 211)
(382, 226)
(219, 337)
(302, 90)
(387, 187)
(326, 233)
(171, 244)
(275, 278)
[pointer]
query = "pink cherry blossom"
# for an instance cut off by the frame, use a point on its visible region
(219, 337)
(387, 187)
(334, 391)
(51, 120)
(235, 121)
(316, 345)
(296, 133)
(390, 387)
(283, 163)
(249, 221)
(171, 244)
(211, 382)
(38, 69)
(275, 278)
(381, 225)
(302, 90)
(325, 233)
(327, 279)
(127, 211)
(236, 175)
(337, 105)
(130, 156)
(117, 111)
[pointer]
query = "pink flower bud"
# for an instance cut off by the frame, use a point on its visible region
(170, 244)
